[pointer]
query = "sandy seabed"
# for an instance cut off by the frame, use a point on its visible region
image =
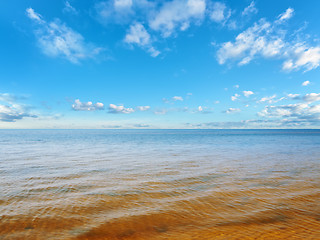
(253, 209)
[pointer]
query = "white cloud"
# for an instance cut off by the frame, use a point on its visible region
(300, 112)
(118, 11)
(11, 111)
(236, 86)
(233, 110)
(138, 35)
(247, 93)
(200, 109)
(305, 83)
(86, 106)
(269, 40)
(141, 125)
(294, 96)
(119, 109)
(58, 40)
(143, 108)
(303, 56)
(161, 111)
(311, 97)
(235, 97)
(258, 40)
(251, 9)
(270, 99)
(177, 98)
(69, 9)
(286, 15)
(34, 16)
(120, 4)
(220, 13)
(177, 14)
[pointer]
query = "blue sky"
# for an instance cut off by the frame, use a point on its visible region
(159, 64)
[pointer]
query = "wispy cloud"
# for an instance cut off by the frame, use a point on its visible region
(139, 36)
(87, 106)
(140, 125)
(270, 99)
(68, 8)
(302, 56)
(255, 41)
(56, 39)
(177, 98)
(220, 13)
(118, 11)
(270, 40)
(286, 15)
(251, 9)
(143, 108)
(177, 14)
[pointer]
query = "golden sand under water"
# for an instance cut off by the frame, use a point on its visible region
(273, 208)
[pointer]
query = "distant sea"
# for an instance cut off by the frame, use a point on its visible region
(159, 184)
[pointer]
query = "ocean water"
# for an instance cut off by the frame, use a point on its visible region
(159, 184)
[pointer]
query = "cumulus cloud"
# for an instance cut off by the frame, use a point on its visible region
(220, 13)
(311, 97)
(119, 109)
(299, 111)
(177, 14)
(139, 36)
(86, 106)
(247, 93)
(305, 83)
(58, 40)
(304, 113)
(251, 9)
(294, 96)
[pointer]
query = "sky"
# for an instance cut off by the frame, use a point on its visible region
(178, 64)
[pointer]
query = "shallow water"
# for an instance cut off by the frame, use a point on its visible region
(159, 184)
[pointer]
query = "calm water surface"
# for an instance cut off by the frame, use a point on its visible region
(158, 184)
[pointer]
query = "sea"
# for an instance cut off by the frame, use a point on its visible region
(159, 184)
